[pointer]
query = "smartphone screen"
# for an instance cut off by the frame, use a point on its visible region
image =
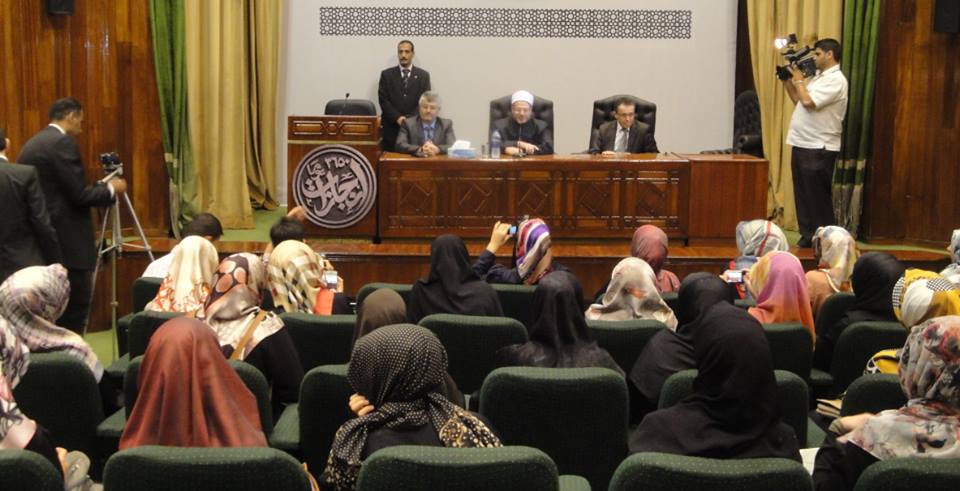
(330, 278)
(513, 230)
(734, 276)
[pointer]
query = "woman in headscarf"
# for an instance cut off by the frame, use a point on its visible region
(187, 284)
(778, 283)
(452, 287)
(835, 252)
(732, 412)
(874, 276)
(927, 426)
(247, 333)
(755, 238)
(559, 337)
(399, 371)
(532, 252)
(189, 396)
(632, 294)
(952, 271)
(670, 351)
(650, 243)
(297, 281)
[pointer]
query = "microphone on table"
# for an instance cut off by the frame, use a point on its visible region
(343, 105)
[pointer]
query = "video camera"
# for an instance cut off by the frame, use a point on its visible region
(801, 56)
(111, 162)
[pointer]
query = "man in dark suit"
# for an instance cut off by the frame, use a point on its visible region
(26, 236)
(625, 135)
(426, 134)
(399, 92)
(54, 153)
(523, 134)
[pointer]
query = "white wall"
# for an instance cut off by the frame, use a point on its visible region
(690, 80)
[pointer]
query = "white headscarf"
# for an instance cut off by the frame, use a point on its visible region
(632, 294)
(187, 285)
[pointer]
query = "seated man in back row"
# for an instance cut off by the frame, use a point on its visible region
(521, 133)
(426, 134)
(625, 134)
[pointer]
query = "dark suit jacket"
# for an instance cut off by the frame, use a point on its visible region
(396, 102)
(534, 131)
(640, 139)
(26, 236)
(69, 198)
(411, 138)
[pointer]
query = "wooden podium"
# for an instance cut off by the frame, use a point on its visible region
(305, 134)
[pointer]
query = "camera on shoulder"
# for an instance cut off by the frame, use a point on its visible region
(800, 56)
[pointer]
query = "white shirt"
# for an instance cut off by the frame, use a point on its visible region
(822, 126)
(159, 267)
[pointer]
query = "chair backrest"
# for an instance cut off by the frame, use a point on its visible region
(908, 474)
(24, 470)
(604, 109)
(873, 393)
(833, 309)
(419, 467)
(320, 340)
(500, 108)
(857, 343)
(624, 340)
(144, 290)
(792, 397)
(578, 416)
(746, 115)
(350, 107)
(401, 288)
(252, 378)
(672, 299)
(158, 468)
(60, 392)
(516, 301)
(745, 303)
(471, 342)
(142, 327)
(790, 347)
(324, 393)
(668, 472)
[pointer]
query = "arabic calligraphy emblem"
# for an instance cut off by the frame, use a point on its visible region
(336, 186)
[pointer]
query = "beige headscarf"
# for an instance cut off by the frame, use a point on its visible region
(296, 277)
(632, 294)
(838, 253)
(187, 285)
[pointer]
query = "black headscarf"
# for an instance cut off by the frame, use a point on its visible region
(452, 287)
(558, 337)
(874, 276)
(400, 370)
(732, 412)
(669, 352)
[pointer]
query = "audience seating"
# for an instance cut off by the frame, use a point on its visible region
(909, 474)
(745, 303)
(856, 345)
(350, 107)
(517, 302)
(143, 291)
(24, 470)
(790, 347)
(500, 108)
(320, 340)
(624, 340)
(668, 472)
(155, 468)
(792, 397)
(461, 469)
(471, 343)
(307, 429)
(673, 300)
(402, 289)
(604, 109)
(577, 416)
(873, 393)
(833, 309)
(142, 327)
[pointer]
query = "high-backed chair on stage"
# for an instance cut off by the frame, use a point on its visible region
(350, 107)
(542, 110)
(603, 110)
(747, 137)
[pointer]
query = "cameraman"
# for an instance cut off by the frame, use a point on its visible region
(814, 134)
(54, 153)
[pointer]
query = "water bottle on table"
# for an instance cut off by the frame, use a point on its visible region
(495, 143)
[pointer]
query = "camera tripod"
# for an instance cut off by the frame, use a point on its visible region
(111, 219)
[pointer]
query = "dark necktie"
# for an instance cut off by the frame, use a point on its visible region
(405, 76)
(428, 133)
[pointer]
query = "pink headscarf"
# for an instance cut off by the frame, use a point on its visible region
(650, 244)
(778, 282)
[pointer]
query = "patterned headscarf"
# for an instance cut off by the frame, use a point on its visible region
(837, 253)
(16, 430)
(235, 302)
(758, 237)
(187, 284)
(929, 424)
(920, 295)
(650, 243)
(31, 300)
(296, 279)
(632, 294)
(952, 271)
(779, 284)
(400, 370)
(533, 244)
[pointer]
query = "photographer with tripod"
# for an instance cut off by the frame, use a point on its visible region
(815, 130)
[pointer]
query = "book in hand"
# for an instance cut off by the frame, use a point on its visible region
(829, 407)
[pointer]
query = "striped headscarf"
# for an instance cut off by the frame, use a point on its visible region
(296, 279)
(16, 430)
(533, 244)
(187, 284)
(920, 295)
(952, 271)
(837, 253)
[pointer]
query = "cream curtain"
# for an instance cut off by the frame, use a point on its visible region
(769, 19)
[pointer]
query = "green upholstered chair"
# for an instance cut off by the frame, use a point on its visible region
(855, 346)
(517, 302)
(792, 397)
(909, 474)
(790, 347)
(624, 340)
(142, 327)
(577, 416)
(471, 342)
(24, 470)
(142, 290)
(155, 468)
(745, 303)
(401, 288)
(668, 472)
(873, 393)
(672, 299)
(320, 340)
(833, 309)
(411, 468)
(323, 407)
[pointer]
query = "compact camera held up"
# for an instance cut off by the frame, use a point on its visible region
(800, 56)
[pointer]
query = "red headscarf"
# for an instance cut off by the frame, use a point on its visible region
(189, 395)
(650, 244)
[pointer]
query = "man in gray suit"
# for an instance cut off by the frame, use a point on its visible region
(625, 135)
(426, 134)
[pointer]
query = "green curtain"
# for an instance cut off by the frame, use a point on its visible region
(169, 55)
(861, 20)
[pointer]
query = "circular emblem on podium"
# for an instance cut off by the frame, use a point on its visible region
(335, 185)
